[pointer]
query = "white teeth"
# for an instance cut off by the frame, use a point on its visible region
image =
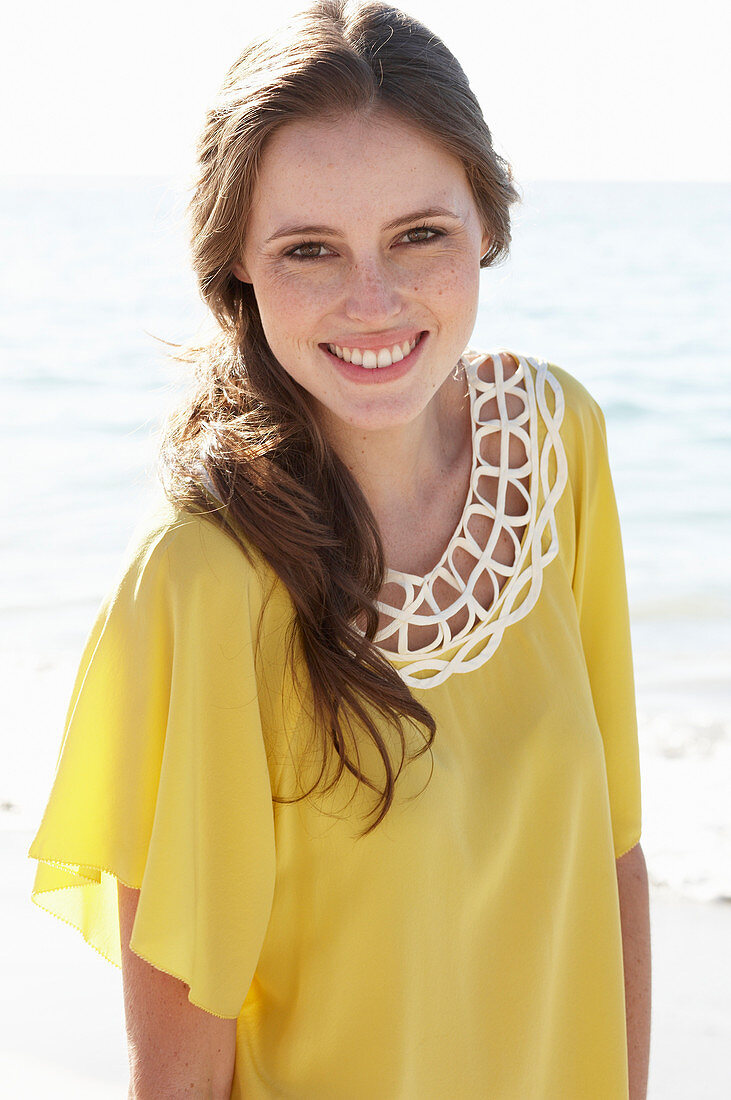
(371, 359)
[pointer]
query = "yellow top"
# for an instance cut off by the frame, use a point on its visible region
(471, 945)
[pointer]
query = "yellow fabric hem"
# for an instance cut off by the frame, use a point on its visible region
(626, 850)
(36, 895)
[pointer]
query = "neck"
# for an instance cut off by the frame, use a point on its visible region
(397, 468)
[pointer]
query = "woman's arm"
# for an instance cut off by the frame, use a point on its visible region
(175, 1048)
(634, 906)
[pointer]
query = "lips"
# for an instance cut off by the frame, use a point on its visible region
(373, 358)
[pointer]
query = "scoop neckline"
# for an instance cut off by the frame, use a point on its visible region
(457, 650)
(471, 366)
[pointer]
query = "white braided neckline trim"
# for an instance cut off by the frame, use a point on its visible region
(473, 644)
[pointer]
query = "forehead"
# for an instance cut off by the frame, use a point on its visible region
(356, 167)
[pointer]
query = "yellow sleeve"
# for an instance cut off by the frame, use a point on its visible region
(162, 780)
(600, 591)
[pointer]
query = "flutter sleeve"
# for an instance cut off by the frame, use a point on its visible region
(162, 780)
(600, 592)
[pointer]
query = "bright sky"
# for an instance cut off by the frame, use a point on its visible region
(572, 89)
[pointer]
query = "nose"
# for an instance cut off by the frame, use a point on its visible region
(373, 294)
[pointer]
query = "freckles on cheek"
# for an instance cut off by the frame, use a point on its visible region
(455, 288)
(291, 301)
(279, 309)
(291, 317)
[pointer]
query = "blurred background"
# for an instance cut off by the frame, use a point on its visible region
(614, 119)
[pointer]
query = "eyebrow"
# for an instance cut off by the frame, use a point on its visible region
(328, 231)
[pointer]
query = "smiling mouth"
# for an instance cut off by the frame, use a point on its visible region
(373, 358)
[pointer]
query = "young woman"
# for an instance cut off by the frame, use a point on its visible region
(350, 782)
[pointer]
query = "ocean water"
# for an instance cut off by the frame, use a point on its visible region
(625, 285)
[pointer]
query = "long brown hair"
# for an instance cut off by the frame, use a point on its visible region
(247, 434)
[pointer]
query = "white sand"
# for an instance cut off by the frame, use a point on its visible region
(61, 1016)
(61, 1020)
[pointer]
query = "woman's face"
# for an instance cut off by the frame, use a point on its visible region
(363, 248)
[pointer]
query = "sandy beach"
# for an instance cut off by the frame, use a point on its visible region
(61, 1017)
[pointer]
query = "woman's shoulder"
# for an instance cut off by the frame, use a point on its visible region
(559, 396)
(563, 416)
(579, 404)
(512, 366)
(179, 549)
(583, 427)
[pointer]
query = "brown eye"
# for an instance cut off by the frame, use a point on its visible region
(420, 234)
(310, 250)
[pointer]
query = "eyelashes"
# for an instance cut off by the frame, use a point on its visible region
(294, 253)
(315, 248)
(435, 233)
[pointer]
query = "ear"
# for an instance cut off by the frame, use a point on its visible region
(241, 273)
(485, 243)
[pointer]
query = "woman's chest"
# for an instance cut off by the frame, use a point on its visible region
(523, 721)
(516, 768)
